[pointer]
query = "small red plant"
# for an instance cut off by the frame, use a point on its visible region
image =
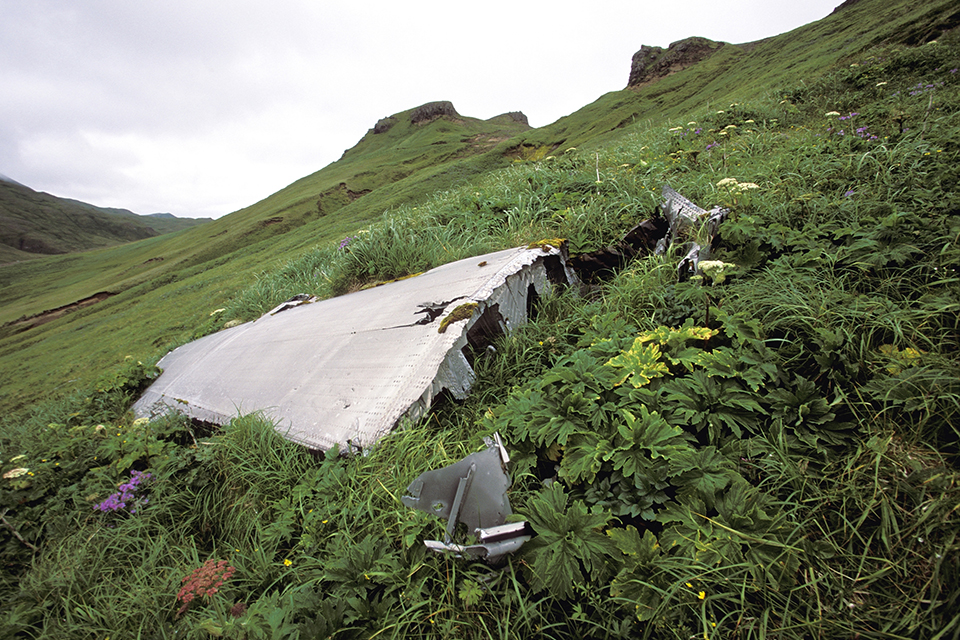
(203, 582)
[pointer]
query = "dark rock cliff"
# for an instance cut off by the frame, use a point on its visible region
(652, 63)
(433, 110)
(512, 116)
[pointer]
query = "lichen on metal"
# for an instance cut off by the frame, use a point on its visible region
(345, 370)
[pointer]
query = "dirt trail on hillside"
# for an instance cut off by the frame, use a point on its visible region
(48, 316)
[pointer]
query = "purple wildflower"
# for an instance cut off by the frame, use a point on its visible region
(848, 194)
(127, 493)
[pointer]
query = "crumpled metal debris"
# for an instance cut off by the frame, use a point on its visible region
(473, 492)
(347, 370)
(691, 227)
(677, 222)
(295, 301)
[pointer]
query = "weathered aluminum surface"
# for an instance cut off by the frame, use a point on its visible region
(345, 370)
(691, 227)
(472, 491)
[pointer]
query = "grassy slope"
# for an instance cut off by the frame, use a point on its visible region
(202, 268)
(737, 73)
(210, 263)
(51, 225)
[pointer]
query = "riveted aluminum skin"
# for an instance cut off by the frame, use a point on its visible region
(345, 370)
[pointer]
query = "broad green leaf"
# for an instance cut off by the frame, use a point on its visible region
(582, 458)
(703, 472)
(721, 362)
(639, 551)
(570, 548)
(640, 364)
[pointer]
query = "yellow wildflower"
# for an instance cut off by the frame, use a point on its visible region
(288, 562)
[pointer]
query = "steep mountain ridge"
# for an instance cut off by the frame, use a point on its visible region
(693, 73)
(35, 223)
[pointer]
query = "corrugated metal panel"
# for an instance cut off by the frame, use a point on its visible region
(345, 370)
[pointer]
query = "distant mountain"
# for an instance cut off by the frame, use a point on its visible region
(4, 178)
(35, 223)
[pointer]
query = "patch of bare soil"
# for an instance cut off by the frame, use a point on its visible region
(49, 316)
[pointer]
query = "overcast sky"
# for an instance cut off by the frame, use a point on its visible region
(200, 108)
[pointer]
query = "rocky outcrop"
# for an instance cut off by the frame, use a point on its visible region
(652, 63)
(433, 110)
(384, 124)
(512, 116)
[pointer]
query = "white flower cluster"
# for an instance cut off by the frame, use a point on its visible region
(716, 270)
(738, 187)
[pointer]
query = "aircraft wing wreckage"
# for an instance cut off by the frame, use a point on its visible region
(345, 370)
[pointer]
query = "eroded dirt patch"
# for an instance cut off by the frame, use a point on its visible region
(49, 316)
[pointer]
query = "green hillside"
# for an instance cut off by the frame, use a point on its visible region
(204, 267)
(765, 449)
(33, 224)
